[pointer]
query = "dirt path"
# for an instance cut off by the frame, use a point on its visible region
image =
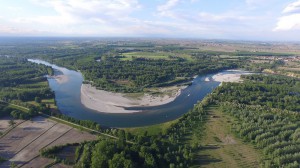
(221, 148)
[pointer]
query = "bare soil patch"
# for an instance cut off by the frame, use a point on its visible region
(4, 123)
(38, 162)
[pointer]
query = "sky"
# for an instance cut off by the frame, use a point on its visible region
(270, 20)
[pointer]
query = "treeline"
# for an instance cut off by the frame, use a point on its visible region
(276, 132)
(162, 150)
(5, 110)
(23, 80)
(272, 90)
(85, 123)
(266, 111)
(132, 76)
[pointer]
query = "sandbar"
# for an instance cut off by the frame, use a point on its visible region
(229, 77)
(60, 79)
(108, 102)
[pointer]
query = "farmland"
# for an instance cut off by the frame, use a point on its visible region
(154, 55)
(22, 144)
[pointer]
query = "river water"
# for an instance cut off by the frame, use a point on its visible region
(67, 96)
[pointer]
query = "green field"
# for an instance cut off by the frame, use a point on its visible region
(220, 148)
(152, 129)
(155, 55)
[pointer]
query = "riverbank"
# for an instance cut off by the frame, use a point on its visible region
(227, 77)
(221, 77)
(108, 102)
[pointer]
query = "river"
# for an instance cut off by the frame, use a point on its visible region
(67, 96)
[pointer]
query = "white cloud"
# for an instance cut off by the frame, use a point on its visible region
(82, 17)
(223, 17)
(257, 3)
(293, 7)
(72, 12)
(289, 22)
(168, 5)
(291, 18)
(166, 9)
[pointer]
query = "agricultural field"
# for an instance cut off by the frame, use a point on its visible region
(22, 144)
(221, 148)
(155, 55)
(5, 124)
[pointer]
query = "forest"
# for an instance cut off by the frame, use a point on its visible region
(266, 109)
(22, 80)
(25, 84)
(132, 76)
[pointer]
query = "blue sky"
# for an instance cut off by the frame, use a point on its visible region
(208, 19)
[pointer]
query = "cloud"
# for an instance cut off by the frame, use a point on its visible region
(292, 8)
(168, 5)
(257, 3)
(166, 8)
(223, 17)
(291, 18)
(99, 11)
(82, 17)
(289, 22)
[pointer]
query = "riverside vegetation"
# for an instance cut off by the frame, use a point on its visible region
(263, 110)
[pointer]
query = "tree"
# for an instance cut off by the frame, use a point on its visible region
(11, 123)
(149, 160)
(119, 161)
(37, 99)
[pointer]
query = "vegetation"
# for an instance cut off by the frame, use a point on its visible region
(2, 159)
(127, 66)
(265, 116)
(85, 123)
(132, 76)
(56, 152)
(273, 91)
(219, 145)
(22, 80)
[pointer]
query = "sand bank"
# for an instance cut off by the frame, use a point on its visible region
(228, 77)
(220, 77)
(60, 78)
(109, 102)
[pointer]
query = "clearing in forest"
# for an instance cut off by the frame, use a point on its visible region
(220, 148)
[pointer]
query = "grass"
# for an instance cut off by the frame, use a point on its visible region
(50, 102)
(2, 159)
(154, 55)
(151, 130)
(219, 146)
(18, 108)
